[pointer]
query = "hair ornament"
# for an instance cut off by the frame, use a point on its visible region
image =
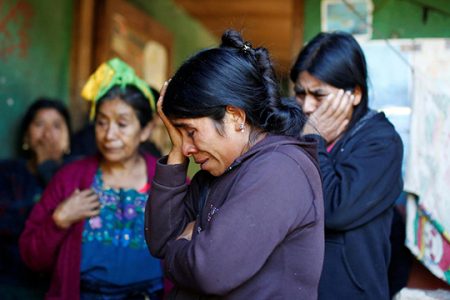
(111, 73)
(246, 47)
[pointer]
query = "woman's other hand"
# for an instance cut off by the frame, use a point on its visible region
(176, 155)
(332, 117)
(78, 206)
(187, 232)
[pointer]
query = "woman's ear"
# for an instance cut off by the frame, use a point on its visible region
(146, 131)
(237, 115)
(358, 95)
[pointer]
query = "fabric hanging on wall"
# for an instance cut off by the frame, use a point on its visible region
(428, 168)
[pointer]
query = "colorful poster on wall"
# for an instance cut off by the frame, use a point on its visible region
(352, 16)
(428, 167)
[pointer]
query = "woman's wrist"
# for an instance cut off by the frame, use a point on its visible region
(175, 158)
(60, 220)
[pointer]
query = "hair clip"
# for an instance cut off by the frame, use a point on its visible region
(246, 47)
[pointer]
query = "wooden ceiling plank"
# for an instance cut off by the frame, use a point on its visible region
(221, 7)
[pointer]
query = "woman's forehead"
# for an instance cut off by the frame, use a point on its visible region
(46, 113)
(190, 122)
(115, 106)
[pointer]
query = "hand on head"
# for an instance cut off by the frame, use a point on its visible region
(176, 155)
(78, 206)
(332, 117)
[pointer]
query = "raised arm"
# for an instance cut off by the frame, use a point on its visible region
(171, 205)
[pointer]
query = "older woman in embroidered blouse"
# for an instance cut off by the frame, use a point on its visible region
(88, 228)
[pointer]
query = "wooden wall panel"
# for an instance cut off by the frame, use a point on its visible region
(274, 24)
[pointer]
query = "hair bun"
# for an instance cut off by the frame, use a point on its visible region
(232, 38)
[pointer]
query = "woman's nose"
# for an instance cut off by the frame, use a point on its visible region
(49, 132)
(188, 148)
(309, 105)
(111, 131)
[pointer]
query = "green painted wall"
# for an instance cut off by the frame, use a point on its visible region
(393, 19)
(35, 44)
(35, 41)
(189, 35)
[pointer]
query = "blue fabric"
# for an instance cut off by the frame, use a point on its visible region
(19, 191)
(114, 252)
(361, 180)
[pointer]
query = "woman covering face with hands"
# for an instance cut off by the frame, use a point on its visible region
(328, 108)
(87, 230)
(360, 156)
(253, 214)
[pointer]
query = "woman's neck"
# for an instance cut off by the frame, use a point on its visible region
(253, 138)
(130, 173)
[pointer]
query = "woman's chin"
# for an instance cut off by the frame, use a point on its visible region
(112, 156)
(214, 171)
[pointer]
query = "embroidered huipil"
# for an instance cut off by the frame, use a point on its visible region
(113, 242)
(45, 247)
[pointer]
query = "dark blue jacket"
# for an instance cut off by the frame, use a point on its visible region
(20, 190)
(361, 180)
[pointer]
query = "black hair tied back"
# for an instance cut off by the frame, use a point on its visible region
(240, 76)
(277, 115)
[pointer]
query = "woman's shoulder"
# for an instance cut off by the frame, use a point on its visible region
(300, 150)
(83, 165)
(149, 158)
(284, 152)
(12, 164)
(14, 167)
(150, 161)
(14, 173)
(376, 126)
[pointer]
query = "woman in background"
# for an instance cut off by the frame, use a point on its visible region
(88, 229)
(45, 145)
(360, 156)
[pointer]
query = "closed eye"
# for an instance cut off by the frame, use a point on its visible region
(299, 91)
(321, 96)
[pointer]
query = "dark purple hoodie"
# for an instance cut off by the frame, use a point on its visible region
(259, 231)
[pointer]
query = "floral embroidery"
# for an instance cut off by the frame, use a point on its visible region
(121, 219)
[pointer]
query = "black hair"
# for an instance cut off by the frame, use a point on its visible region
(155, 94)
(30, 114)
(337, 59)
(234, 74)
(133, 97)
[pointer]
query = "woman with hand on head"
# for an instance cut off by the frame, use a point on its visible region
(360, 156)
(250, 224)
(88, 229)
(45, 145)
